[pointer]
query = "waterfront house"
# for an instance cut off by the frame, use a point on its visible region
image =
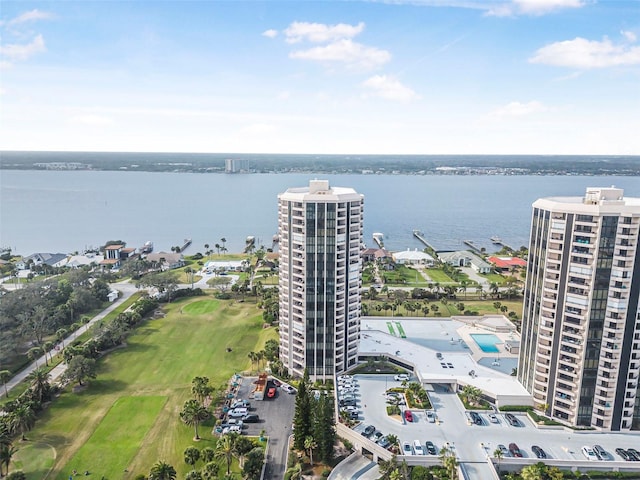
(507, 264)
(165, 260)
(465, 258)
(413, 257)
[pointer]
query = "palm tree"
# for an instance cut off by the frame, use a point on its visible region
(193, 475)
(394, 441)
(498, 454)
(206, 248)
(162, 471)
(193, 413)
(6, 452)
(449, 462)
(224, 449)
(22, 419)
(33, 354)
(5, 375)
(48, 347)
(309, 445)
(207, 454)
(224, 243)
(191, 455)
(39, 380)
(61, 333)
(210, 470)
(295, 472)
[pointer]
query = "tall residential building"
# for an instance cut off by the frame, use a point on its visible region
(580, 356)
(320, 230)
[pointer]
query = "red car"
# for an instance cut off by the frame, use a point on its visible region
(408, 416)
(271, 392)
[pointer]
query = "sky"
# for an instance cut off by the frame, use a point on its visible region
(330, 77)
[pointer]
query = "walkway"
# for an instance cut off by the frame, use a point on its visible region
(125, 288)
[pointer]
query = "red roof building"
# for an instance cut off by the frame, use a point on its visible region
(507, 264)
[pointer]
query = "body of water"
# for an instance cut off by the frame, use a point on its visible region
(65, 211)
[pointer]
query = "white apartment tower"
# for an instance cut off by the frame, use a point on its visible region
(580, 355)
(320, 230)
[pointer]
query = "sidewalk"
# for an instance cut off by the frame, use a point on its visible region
(125, 288)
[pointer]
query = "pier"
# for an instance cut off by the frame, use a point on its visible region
(379, 239)
(418, 234)
(498, 241)
(185, 245)
(472, 246)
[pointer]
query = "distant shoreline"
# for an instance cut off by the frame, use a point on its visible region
(480, 165)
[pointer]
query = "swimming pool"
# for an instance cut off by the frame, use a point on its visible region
(486, 341)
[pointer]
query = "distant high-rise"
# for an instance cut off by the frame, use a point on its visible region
(320, 230)
(235, 165)
(580, 355)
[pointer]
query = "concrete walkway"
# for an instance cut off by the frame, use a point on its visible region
(125, 288)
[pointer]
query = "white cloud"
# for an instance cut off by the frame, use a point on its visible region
(320, 32)
(258, 129)
(271, 33)
(583, 53)
(347, 52)
(630, 36)
(17, 52)
(30, 16)
(531, 7)
(390, 88)
(92, 120)
(284, 95)
(517, 109)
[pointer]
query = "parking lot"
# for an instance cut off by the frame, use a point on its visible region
(471, 442)
(275, 418)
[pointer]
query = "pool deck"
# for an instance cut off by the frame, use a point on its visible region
(461, 354)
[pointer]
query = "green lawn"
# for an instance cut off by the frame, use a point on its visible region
(160, 360)
(123, 429)
(37, 458)
(437, 275)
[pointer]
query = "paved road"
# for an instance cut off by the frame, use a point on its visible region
(125, 288)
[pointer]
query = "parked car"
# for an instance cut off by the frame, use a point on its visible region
(511, 418)
(408, 416)
(401, 377)
(348, 403)
(635, 454)
(493, 418)
(514, 450)
(504, 450)
(350, 408)
(600, 452)
(384, 442)
(241, 403)
(368, 431)
(288, 388)
(417, 448)
(476, 418)
(624, 455)
(276, 382)
(431, 448)
(406, 449)
(251, 418)
(589, 453)
(345, 377)
(377, 436)
(539, 452)
(431, 416)
(237, 412)
(235, 421)
(271, 392)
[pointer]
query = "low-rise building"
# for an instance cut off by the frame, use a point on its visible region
(465, 258)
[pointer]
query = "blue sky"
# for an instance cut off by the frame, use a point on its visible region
(375, 77)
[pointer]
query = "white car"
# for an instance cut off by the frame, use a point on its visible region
(431, 416)
(350, 409)
(493, 418)
(589, 453)
(406, 449)
(418, 448)
(401, 377)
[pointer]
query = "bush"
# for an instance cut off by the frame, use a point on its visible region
(515, 408)
(326, 472)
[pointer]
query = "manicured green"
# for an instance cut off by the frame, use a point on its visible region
(494, 278)
(159, 360)
(123, 429)
(437, 275)
(34, 458)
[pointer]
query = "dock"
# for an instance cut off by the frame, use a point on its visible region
(498, 241)
(418, 234)
(472, 246)
(185, 245)
(379, 239)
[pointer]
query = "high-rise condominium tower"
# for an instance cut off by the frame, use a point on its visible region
(580, 355)
(320, 237)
